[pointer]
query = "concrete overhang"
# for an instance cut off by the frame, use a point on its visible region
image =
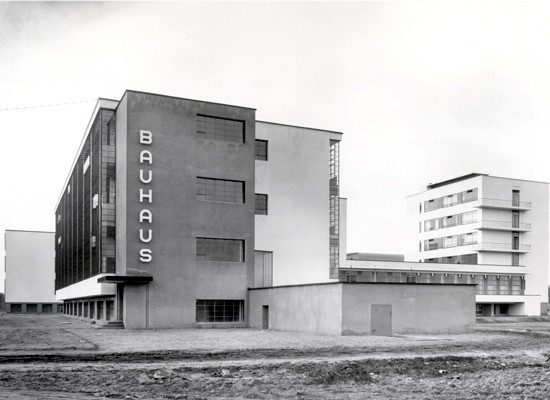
(132, 277)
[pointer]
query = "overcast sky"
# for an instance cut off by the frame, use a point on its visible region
(422, 91)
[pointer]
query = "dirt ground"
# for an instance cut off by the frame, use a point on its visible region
(58, 357)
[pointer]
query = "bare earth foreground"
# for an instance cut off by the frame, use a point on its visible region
(58, 357)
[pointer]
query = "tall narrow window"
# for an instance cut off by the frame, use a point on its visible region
(515, 259)
(260, 207)
(515, 219)
(515, 198)
(261, 150)
(515, 240)
(211, 249)
(222, 190)
(223, 129)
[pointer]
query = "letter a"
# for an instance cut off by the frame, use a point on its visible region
(145, 156)
(145, 215)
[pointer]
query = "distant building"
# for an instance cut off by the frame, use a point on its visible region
(480, 229)
(375, 257)
(30, 272)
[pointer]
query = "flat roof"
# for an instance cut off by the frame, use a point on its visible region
(361, 283)
(184, 98)
(29, 231)
(473, 175)
(300, 127)
(453, 180)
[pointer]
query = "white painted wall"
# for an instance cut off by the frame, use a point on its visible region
(296, 179)
(534, 263)
(87, 288)
(30, 267)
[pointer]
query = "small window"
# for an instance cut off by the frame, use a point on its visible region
(95, 201)
(261, 150)
(58, 218)
(260, 204)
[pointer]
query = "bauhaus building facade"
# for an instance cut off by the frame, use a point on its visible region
(174, 208)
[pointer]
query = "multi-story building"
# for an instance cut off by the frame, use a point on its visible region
(175, 207)
(474, 229)
(30, 272)
(498, 224)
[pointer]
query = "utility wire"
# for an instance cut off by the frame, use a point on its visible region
(46, 105)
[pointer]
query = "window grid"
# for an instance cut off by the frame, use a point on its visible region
(225, 191)
(260, 152)
(260, 206)
(223, 129)
(219, 310)
(228, 250)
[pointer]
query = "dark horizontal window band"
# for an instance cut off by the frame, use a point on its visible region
(222, 129)
(219, 310)
(218, 249)
(220, 190)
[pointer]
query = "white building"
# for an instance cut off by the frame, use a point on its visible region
(500, 225)
(30, 271)
(474, 229)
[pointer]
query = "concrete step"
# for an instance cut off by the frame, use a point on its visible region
(112, 325)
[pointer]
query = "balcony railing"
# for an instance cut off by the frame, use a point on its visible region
(511, 204)
(505, 247)
(506, 225)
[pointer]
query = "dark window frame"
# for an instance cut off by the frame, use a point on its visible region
(214, 136)
(257, 209)
(257, 154)
(201, 254)
(219, 310)
(210, 198)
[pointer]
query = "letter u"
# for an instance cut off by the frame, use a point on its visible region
(149, 236)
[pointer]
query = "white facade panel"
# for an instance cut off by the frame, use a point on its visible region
(296, 179)
(30, 267)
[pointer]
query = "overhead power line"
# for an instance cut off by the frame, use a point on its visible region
(46, 105)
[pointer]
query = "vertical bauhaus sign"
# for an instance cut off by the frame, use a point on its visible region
(145, 195)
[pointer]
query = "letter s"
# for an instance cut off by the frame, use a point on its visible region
(145, 255)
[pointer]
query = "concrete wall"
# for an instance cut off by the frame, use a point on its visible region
(416, 308)
(179, 156)
(339, 308)
(308, 308)
(30, 267)
(296, 179)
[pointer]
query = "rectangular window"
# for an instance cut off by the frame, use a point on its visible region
(261, 150)
(221, 190)
(515, 259)
(229, 250)
(32, 308)
(260, 204)
(219, 311)
(47, 308)
(224, 129)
